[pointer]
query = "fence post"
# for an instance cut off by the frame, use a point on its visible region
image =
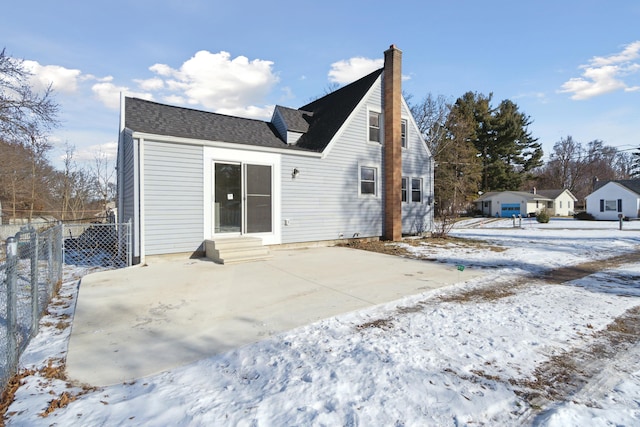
(60, 246)
(12, 321)
(50, 260)
(129, 244)
(35, 300)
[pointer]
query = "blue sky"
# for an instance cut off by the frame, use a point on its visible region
(573, 66)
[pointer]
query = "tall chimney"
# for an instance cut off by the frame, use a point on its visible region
(392, 84)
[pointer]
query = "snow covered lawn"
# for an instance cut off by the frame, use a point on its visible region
(519, 346)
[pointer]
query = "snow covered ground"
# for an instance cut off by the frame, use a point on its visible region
(516, 346)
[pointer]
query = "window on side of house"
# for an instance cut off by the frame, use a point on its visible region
(374, 126)
(416, 190)
(405, 189)
(403, 133)
(368, 180)
(560, 204)
(611, 205)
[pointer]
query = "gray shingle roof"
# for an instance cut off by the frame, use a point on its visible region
(160, 119)
(318, 121)
(332, 110)
(631, 184)
(553, 194)
(525, 195)
(296, 120)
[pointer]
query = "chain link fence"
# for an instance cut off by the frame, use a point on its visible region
(31, 273)
(33, 265)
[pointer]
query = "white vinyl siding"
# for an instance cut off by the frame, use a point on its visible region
(417, 163)
(173, 198)
(622, 201)
(323, 202)
(128, 186)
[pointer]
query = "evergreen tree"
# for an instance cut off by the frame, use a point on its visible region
(458, 167)
(507, 150)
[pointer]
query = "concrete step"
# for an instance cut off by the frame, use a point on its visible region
(236, 250)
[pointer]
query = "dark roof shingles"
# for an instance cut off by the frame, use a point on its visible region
(151, 117)
(332, 110)
(318, 121)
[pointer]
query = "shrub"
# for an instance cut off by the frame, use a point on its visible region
(542, 216)
(585, 216)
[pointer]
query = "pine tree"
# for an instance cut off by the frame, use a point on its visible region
(507, 150)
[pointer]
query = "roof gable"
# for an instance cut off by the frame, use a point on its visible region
(632, 185)
(331, 111)
(295, 120)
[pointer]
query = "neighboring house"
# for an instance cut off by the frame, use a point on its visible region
(350, 164)
(563, 202)
(505, 204)
(612, 198)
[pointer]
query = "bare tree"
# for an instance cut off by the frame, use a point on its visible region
(574, 167)
(23, 112)
(566, 167)
(26, 117)
(431, 117)
(103, 173)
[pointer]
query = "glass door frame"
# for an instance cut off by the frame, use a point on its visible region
(243, 198)
(216, 212)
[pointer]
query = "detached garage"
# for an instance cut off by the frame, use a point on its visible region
(612, 198)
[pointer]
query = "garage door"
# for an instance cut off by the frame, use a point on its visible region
(510, 209)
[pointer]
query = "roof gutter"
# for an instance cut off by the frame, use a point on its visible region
(229, 145)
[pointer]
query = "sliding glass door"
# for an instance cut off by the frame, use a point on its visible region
(243, 198)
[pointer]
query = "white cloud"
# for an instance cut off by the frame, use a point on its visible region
(109, 93)
(350, 70)
(217, 82)
(606, 74)
(630, 53)
(150, 84)
(61, 79)
(88, 154)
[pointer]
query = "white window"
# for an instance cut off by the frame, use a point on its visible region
(368, 180)
(403, 133)
(611, 205)
(374, 126)
(416, 190)
(405, 189)
(560, 204)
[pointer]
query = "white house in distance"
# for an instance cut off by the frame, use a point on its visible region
(505, 204)
(351, 164)
(612, 198)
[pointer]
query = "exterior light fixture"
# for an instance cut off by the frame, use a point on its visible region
(295, 173)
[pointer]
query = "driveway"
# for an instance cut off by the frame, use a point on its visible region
(142, 320)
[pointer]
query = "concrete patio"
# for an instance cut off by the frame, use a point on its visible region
(143, 320)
